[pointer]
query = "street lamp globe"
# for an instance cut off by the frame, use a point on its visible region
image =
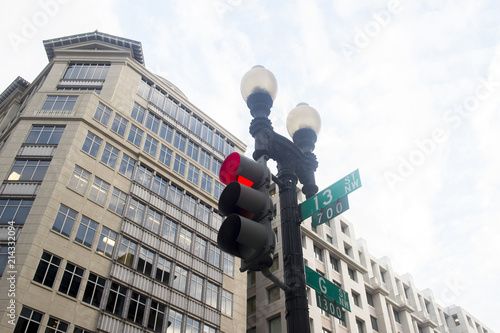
(303, 116)
(258, 80)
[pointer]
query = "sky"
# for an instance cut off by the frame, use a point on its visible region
(408, 92)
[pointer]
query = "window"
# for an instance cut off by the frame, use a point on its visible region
(116, 299)
(175, 318)
(216, 220)
(352, 274)
(136, 211)
(334, 263)
(207, 133)
(205, 159)
(396, 316)
(193, 174)
(59, 103)
(163, 270)
(45, 135)
(196, 287)
(110, 155)
(216, 165)
(406, 290)
(135, 135)
(150, 145)
(192, 150)
(169, 229)
(165, 155)
(189, 204)
(455, 319)
(360, 325)
(29, 321)
(227, 303)
(180, 279)
(99, 191)
(138, 112)
(107, 242)
(203, 213)
(214, 255)
(180, 141)
(28, 170)
(71, 280)
(153, 221)
(92, 144)
(273, 294)
(153, 122)
(166, 132)
(174, 195)
(16, 210)
(183, 117)
(86, 231)
(382, 275)
(156, 316)
(64, 220)
(318, 253)
(369, 299)
(94, 290)
(56, 326)
(117, 201)
(185, 239)
(276, 264)
(160, 186)
(144, 88)
(119, 125)
(195, 125)
(218, 188)
(179, 164)
(200, 247)
(144, 176)
(102, 114)
(192, 325)
(126, 252)
(136, 308)
(206, 182)
(355, 298)
(145, 263)
(228, 266)
(47, 269)
(329, 239)
(80, 330)
(127, 166)
(275, 325)
(374, 323)
(79, 71)
(211, 297)
(251, 278)
(79, 180)
(219, 142)
(251, 306)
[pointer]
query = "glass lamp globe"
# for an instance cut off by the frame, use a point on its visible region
(303, 116)
(258, 79)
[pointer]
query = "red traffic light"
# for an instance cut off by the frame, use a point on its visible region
(241, 169)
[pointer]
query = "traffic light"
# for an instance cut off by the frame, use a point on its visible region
(246, 232)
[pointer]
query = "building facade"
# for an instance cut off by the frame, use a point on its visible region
(108, 219)
(380, 299)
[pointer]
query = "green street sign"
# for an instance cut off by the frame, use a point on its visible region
(329, 306)
(329, 212)
(337, 190)
(329, 289)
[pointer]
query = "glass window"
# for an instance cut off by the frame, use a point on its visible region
(218, 188)
(64, 220)
(107, 242)
(162, 273)
(135, 135)
(153, 122)
(227, 303)
(192, 325)
(175, 318)
(117, 201)
(55, 325)
(273, 294)
(119, 125)
(195, 125)
(16, 210)
(180, 279)
(59, 103)
(216, 164)
(144, 88)
(145, 263)
(86, 231)
(165, 155)
(205, 159)
(219, 142)
(99, 191)
(185, 239)
(102, 114)
(374, 323)
(138, 112)
(158, 98)
(80, 71)
(318, 253)
(334, 263)
(126, 252)
(160, 186)
(369, 298)
(251, 306)
(193, 174)
(92, 144)
(228, 266)
(127, 166)
(136, 210)
(180, 141)
(169, 229)
(45, 134)
(29, 321)
(214, 255)
(179, 164)
(183, 116)
(94, 290)
(79, 180)
(212, 295)
(196, 287)
(110, 155)
(174, 195)
(216, 220)
(352, 274)
(150, 145)
(207, 133)
(206, 182)
(153, 220)
(156, 316)
(192, 150)
(28, 170)
(275, 325)
(166, 132)
(116, 299)
(203, 213)
(360, 325)
(144, 176)
(71, 280)
(47, 269)
(189, 204)
(200, 247)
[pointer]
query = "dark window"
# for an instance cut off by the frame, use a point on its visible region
(71, 280)
(55, 325)
(16, 210)
(94, 290)
(136, 308)
(163, 270)
(116, 299)
(126, 252)
(47, 269)
(156, 316)
(29, 321)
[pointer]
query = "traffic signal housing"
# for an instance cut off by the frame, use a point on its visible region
(246, 232)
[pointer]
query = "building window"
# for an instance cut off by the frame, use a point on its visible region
(455, 319)
(169, 230)
(166, 132)
(355, 298)
(382, 275)
(216, 220)
(205, 159)
(81, 330)
(396, 316)
(175, 318)
(14, 210)
(165, 155)
(195, 125)
(136, 211)
(29, 321)
(360, 325)
(136, 308)
(45, 135)
(145, 263)
(193, 174)
(107, 242)
(200, 247)
(79, 180)
(127, 166)
(179, 164)
(71, 280)
(180, 279)
(228, 264)
(185, 239)
(334, 263)
(126, 252)
(116, 299)
(110, 155)
(174, 195)
(119, 125)
(196, 287)
(135, 135)
(102, 114)
(92, 144)
(251, 306)
(28, 170)
(374, 323)
(117, 201)
(163, 267)
(275, 325)
(369, 298)
(152, 122)
(212, 295)
(64, 220)
(227, 303)
(206, 182)
(180, 141)
(352, 274)
(94, 290)
(86, 232)
(55, 325)
(342, 321)
(203, 213)
(138, 113)
(183, 117)
(219, 142)
(189, 204)
(144, 176)
(99, 191)
(79, 71)
(218, 188)
(216, 165)
(150, 145)
(318, 253)
(47, 269)
(59, 103)
(214, 255)
(344, 228)
(192, 150)
(160, 186)
(156, 316)
(273, 294)
(153, 221)
(276, 264)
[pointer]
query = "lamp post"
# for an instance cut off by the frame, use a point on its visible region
(295, 162)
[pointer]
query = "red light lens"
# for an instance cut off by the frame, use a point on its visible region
(244, 181)
(229, 168)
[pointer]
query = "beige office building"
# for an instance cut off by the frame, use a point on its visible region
(108, 199)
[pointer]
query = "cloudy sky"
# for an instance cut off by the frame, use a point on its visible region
(408, 92)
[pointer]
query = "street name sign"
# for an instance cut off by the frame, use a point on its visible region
(329, 289)
(327, 213)
(329, 306)
(335, 191)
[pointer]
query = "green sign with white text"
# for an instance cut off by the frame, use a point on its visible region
(327, 213)
(329, 289)
(329, 306)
